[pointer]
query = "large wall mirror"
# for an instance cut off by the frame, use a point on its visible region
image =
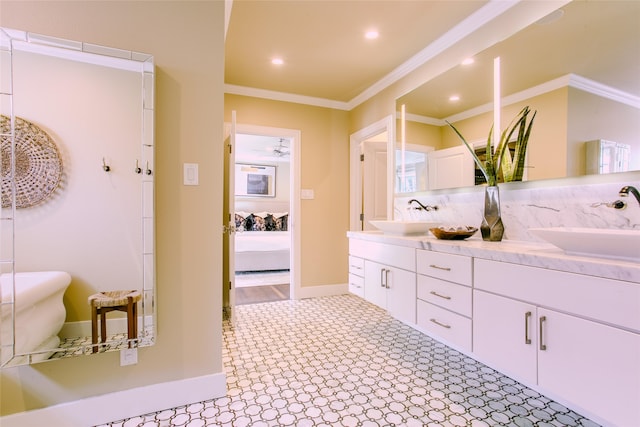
(579, 68)
(77, 216)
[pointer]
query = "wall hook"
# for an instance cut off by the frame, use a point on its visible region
(147, 169)
(138, 169)
(105, 166)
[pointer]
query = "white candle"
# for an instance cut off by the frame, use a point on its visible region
(496, 102)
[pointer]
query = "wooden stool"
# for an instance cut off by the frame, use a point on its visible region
(104, 302)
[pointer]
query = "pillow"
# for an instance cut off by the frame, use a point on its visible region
(273, 223)
(240, 221)
(254, 223)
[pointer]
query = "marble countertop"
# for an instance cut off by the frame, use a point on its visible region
(517, 252)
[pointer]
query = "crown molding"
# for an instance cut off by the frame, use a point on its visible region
(285, 97)
(570, 80)
(603, 90)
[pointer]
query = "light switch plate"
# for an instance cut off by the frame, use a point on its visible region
(128, 356)
(190, 174)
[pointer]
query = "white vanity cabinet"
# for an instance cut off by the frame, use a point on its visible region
(389, 276)
(356, 275)
(444, 297)
(577, 337)
(391, 288)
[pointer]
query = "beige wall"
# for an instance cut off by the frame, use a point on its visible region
(324, 168)
(420, 134)
(189, 111)
(547, 150)
(593, 117)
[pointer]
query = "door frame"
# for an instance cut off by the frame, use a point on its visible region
(294, 195)
(386, 124)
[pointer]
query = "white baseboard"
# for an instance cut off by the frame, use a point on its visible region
(321, 291)
(82, 328)
(122, 404)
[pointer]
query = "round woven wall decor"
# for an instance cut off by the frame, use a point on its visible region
(38, 165)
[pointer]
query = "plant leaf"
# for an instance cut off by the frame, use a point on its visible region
(476, 159)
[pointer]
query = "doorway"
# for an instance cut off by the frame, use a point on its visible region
(371, 191)
(262, 209)
(263, 213)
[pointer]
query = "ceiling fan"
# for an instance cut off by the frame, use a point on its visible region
(280, 150)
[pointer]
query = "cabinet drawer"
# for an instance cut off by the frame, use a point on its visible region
(454, 268)
(451, 327)
(356, 265)
(392, 255)
(356, 285)
(606, 300)
(445, 294)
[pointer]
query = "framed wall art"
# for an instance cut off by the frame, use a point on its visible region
(255, 180)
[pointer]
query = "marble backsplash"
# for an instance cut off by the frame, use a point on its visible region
(524, 206)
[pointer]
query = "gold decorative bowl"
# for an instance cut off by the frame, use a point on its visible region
(453, 233)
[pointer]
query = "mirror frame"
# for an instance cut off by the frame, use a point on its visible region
(15, 40)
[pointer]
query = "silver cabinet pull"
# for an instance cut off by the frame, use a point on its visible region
(527, 317)
(440, 324)
(382, 283)
(386, 275)
(438, 295)
(542, 345)
(440, 268)
(355, 267)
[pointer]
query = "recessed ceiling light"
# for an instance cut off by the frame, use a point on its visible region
(277, 61)
(371, 34)
(454, 98)
(468, 61)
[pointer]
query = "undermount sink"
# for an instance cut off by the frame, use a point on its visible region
(600, 242)
(404, 228)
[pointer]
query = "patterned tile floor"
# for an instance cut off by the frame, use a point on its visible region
(342, 361)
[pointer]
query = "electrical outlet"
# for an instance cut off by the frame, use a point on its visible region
(128, 356)
(306, 194)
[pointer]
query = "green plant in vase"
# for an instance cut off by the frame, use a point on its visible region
(500, 165)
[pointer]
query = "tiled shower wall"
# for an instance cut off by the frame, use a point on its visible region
(560, 203)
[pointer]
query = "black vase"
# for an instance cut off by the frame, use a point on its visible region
(492, 228)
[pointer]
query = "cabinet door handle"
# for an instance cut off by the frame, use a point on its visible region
(542, 345)
(386, 277)
(440, 268)
(527, 317)
(382, 283)
(355, 267)
(438, 295)
(440, 324)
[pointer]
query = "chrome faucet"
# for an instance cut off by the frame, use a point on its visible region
(624, 192)
(426, 208)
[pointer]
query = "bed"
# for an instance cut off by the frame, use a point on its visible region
(262, 241)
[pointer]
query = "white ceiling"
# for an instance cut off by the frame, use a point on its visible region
(327, 57)
(261, 149)
(322, 42)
